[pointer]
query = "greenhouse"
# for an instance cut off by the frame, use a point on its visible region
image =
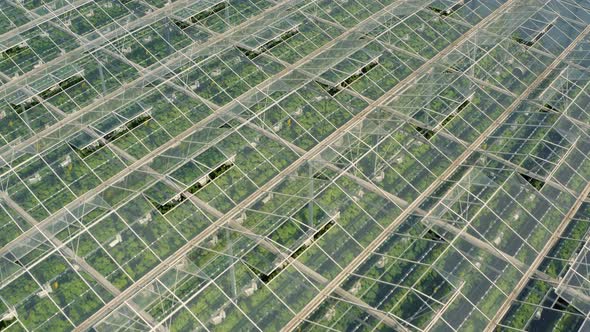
(301, 165)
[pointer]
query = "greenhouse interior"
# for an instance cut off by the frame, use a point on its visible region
(295, 165)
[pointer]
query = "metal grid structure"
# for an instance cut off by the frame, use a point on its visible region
(308, 165)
